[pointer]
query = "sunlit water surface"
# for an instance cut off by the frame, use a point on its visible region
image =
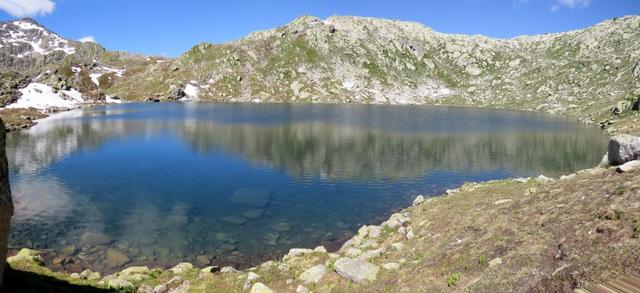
(156, 184)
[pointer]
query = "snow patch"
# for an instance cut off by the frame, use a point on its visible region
(41, 96)
(41, 40)
(191, 91)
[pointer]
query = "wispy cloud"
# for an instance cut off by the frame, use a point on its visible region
(87, 39)
(571, 4)
(24, 8)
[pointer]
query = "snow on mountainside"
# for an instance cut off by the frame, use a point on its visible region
(25, 37)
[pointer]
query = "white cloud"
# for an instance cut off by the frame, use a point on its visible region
(571, 4)
(87, 39)
(24, 8)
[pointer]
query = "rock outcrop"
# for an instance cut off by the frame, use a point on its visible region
(6, 205)
(623, 148)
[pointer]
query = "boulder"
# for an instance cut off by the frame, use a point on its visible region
(182, 268)
(6, 205)
(357, 270)
(396, 220)
(623, 148)
(628, 166)
(314, 274)
(120, 284)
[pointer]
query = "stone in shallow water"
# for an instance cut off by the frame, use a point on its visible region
(115, 258)
(235, 220)
(256, 198)
(271, 238)
(254, 213)
(281, 227)
(95, 239)
(69, 250)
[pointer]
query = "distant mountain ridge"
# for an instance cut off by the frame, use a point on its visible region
(343, 59)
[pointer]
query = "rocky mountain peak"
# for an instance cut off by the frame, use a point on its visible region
(27, 38)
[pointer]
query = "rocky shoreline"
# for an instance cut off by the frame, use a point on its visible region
(377, 252)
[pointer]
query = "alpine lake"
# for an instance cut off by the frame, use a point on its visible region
(235, 184)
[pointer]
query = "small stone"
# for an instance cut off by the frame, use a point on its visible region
(314, 274)
(228, 269)
(302, 289)
(506, 200)
(260, 288)
(371, 254)
(294, 252)
(410, 234)
(494, 262)
(392, 266)
(356, 270)
(75, 276)
(398, 246)
(252, 276)
(320, 249)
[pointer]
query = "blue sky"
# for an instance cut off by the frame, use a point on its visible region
(171, 27)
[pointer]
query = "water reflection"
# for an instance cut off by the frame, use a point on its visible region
(235, 183)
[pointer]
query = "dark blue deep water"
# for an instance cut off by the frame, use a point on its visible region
(241, 183)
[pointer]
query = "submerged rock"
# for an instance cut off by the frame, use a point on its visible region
(356, 270)
(256, 198)
(623, 148)
(234, 220)
(115, 258)
(253, 213)
(95, 239)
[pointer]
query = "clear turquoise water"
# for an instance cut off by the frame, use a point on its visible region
(156, 182)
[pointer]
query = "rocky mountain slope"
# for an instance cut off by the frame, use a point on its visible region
(583, 73)
(366, 60)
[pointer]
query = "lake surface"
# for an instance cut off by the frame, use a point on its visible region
(236, 184)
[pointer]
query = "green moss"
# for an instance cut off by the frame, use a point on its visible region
(453, 279)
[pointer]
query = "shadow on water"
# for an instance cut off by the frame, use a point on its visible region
(26, 282)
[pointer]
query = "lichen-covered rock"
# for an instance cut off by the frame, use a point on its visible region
(260, 288)
(357, 270)
(6, 205)
(623, 148)
(314, 274)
